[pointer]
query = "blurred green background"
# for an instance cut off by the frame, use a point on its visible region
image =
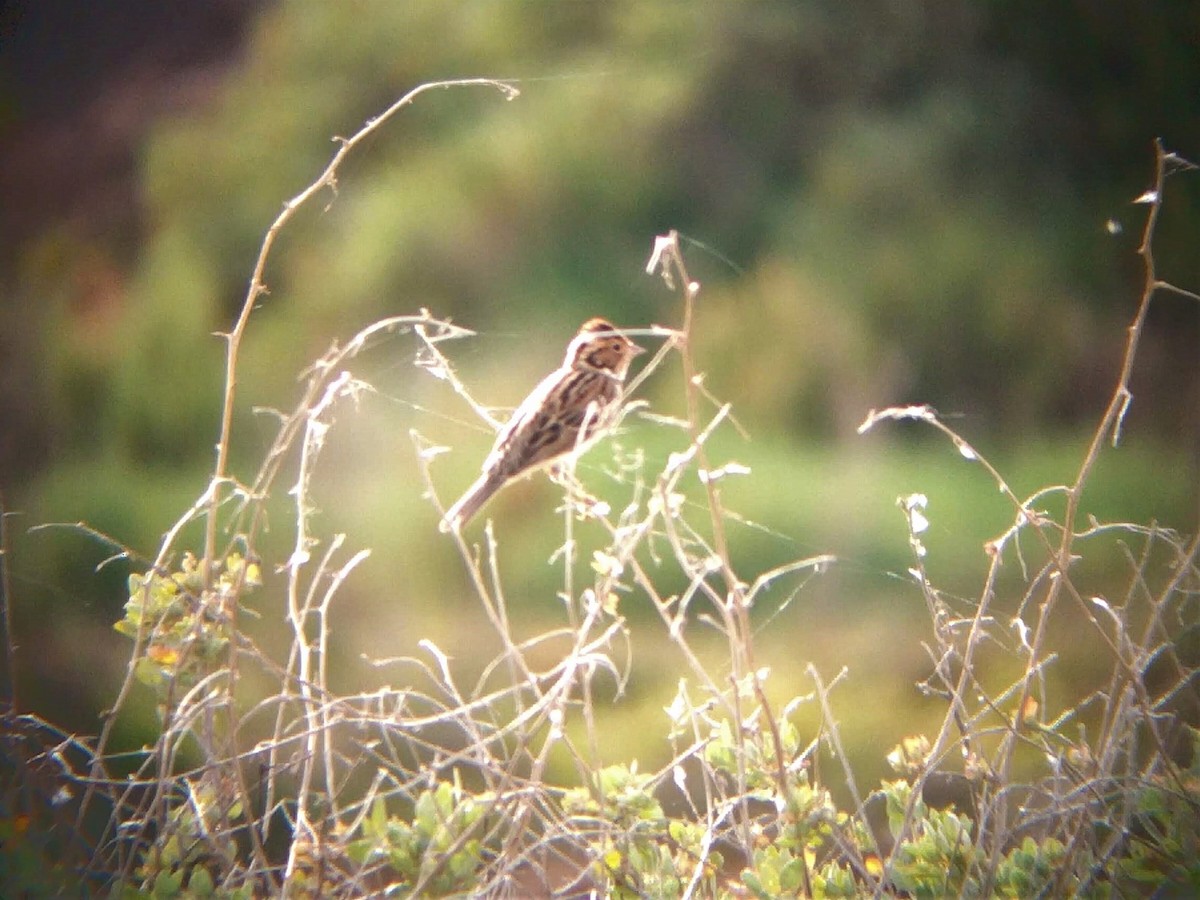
(891, 202)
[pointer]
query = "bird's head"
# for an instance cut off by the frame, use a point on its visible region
(600, 346)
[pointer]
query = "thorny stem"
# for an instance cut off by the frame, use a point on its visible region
(1059, 577)
(667, 259)
(1110, 424)
(233, 340)
(209, 502)
(667, 256)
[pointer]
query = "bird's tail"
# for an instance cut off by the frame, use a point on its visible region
(469, 503)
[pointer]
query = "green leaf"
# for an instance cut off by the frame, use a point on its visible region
(425, 814)
(128, 626)
(170, 852)
(375, 825)
(444, 796)
(200, 884)
(148, 672)
(359, 851)
(168, 884)
(751, 880)
(791, 876)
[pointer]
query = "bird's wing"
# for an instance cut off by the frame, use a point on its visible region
(516, 431)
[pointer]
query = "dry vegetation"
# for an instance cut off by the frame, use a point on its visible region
(264, 780)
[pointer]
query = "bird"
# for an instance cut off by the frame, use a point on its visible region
(569, 410)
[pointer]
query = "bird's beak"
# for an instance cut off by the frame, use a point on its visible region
(635, 349)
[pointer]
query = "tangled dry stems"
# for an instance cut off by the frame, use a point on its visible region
(439, 787)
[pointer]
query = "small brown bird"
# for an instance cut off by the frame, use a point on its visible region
(583, 395)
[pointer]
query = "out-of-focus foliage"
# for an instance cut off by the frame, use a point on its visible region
(898, 190)
(903, 202)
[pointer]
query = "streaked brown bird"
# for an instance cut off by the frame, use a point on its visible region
(565, 414)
